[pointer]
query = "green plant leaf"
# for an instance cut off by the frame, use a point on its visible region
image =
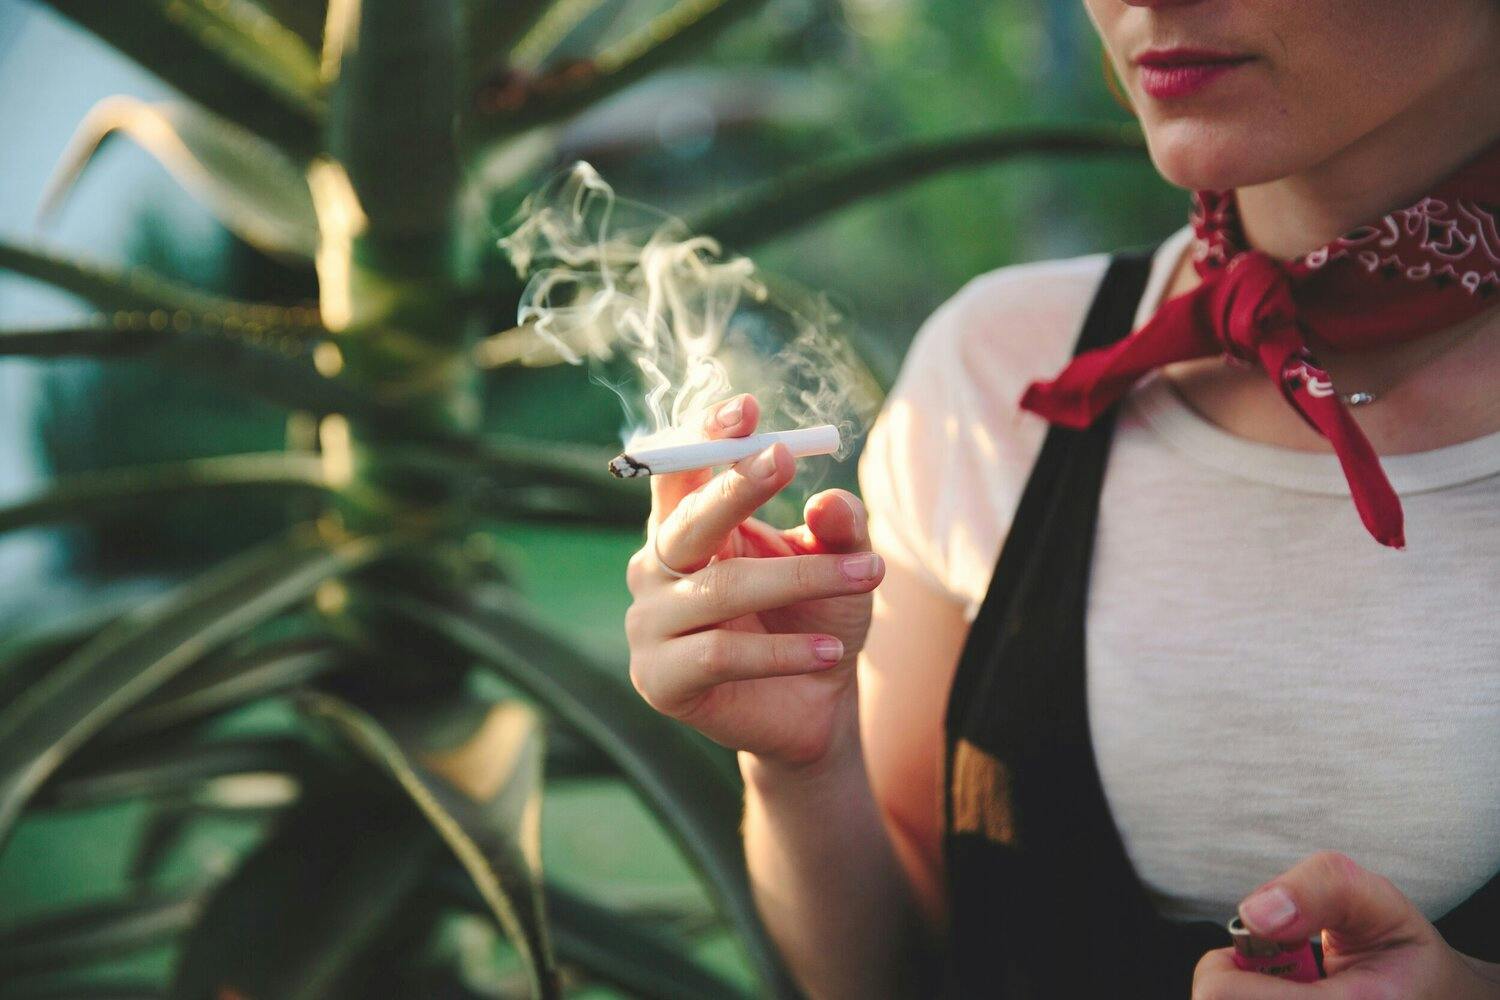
(26, 659)
(142, 309)
(232, 678)
(692, 788)
(88, 495)
(515, 477)
(104, 989)
(161, 833)
(179, 768)
(248, 183)
(313, 905)
(228, 55)
(305, 17)
(571, 756)
(135, 656)
(99, 339)
(65, 940)
(492, 27)
(553, 27)
(133, 289)
(684, 29)
(268, 363)
(620, 950)
(804, 195)
(484, 800)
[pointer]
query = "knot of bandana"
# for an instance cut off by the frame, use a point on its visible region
(1250, 304)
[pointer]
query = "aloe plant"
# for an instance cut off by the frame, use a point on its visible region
(356, 140)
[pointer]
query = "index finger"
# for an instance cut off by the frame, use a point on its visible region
(734, 417)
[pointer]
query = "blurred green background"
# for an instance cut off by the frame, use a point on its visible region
(793, 83)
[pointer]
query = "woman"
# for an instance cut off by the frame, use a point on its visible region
(937, 791)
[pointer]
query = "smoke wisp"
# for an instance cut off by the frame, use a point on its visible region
(672, 325)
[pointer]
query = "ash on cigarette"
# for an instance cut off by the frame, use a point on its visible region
(622, 466)
(671, 324)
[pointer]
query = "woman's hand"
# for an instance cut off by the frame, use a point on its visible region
(1376, 944)
(755, 648)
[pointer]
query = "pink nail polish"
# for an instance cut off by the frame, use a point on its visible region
(1292, 961)
(861, 567)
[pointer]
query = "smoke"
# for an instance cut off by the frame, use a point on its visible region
(671, 325)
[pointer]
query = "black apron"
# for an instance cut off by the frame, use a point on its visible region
(1044, 902)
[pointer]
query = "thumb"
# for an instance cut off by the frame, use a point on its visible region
(1358, 909)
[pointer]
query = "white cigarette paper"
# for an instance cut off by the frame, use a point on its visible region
(804, 441)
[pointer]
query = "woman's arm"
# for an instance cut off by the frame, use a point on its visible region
(845, 874)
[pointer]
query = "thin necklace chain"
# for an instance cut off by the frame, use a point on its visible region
(1365, 397)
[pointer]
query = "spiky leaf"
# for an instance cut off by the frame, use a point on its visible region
(129, 660)
(484, 800)
(311, 907)
(677, 32)
(64, 940)
(248, 183)
(164, 768)
(229, 56)
(88, 495)
(787, 203)
(691, 787)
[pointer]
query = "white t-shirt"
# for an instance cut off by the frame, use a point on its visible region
(1264, 679)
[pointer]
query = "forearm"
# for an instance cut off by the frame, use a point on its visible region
(827, 881)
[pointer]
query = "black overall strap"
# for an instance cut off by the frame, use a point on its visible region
(1043, 899)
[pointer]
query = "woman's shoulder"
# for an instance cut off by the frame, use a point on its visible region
(945, 462)
(1005, 328)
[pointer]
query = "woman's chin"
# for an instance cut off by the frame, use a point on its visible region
(1210, 154)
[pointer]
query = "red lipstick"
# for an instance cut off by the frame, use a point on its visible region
(1173, 73)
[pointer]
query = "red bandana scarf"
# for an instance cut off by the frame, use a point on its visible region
(1413, 272)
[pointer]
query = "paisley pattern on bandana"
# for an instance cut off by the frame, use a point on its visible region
(1433, 240)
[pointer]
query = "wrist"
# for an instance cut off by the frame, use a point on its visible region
(842, 757)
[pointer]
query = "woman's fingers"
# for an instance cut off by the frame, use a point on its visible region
(700, 524)
(734, 587)
(834, 521)
(681, 669)
(736, 416)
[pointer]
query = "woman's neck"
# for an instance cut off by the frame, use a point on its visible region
(1389, 168)
(1448, 400)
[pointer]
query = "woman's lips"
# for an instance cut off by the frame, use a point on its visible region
(1173, 73)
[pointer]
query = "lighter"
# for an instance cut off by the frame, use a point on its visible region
(1294, 961)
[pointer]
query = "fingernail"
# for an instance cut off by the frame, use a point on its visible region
(828, 649)
(1269, 910)
(860, 567)
(764, 464)
(853, 514)
(730, 413)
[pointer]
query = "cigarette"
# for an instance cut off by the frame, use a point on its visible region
(804, 441)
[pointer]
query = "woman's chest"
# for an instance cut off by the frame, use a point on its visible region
(1264, 681)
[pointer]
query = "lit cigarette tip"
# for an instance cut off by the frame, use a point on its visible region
(802, 442)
